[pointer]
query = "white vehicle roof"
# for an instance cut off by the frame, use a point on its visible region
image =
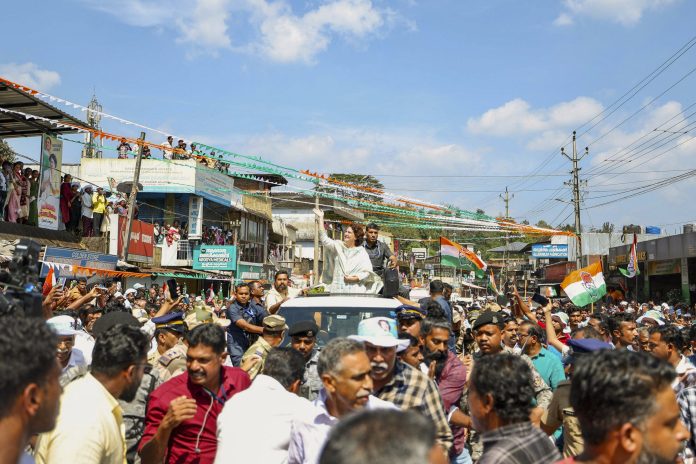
(341, 302)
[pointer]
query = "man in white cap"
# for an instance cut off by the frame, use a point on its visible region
(397, 382)
(344, 369)
(71, 359)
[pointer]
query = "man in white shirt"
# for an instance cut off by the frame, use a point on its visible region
(87, 212)
(90, 426)
(254, 425)
(344, 369)
(71, 359)
(168, 148)
(280, 293)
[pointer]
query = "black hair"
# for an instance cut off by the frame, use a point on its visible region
(81, 279)
(535, 331)
(372, 226)
(588, 332)
(670, 335)
(573, 309)
(447, 286)
(380, 437)
(117, 348)
(242, 285)
(613, 387)
(28, 353)
(113, 306)
(211, 335)
(434, 310)
(614, 322)
(284, 364)
(280, 273)
(692, 333)
(430, 323)
(413, 341)
(508, 379)
(436, 286)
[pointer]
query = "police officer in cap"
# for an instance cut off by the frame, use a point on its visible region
(303, 338)
(171, 351)
(274, 328)
(408, 319)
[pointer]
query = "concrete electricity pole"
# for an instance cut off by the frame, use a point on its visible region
(575, 183)
(315, 269)
(131, 198)
(506, 198)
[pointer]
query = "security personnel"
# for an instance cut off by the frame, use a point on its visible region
(303, 338)
(274, 328)
(169, 329)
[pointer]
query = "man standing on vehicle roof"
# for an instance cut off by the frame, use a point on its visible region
(377, 250)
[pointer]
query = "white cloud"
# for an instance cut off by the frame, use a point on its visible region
(278, 33)
(207, 25)
(517, 117)
(30, 75)
(563, 19)
(624, 12)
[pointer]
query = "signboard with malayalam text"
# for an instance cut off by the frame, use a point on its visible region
(215, 258)
(549, 251)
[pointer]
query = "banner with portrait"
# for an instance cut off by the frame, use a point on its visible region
(49, 188)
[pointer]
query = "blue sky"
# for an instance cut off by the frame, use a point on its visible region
(391, 88)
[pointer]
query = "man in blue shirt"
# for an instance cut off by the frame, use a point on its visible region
(437, 289)
(246, 323)
(530, 337)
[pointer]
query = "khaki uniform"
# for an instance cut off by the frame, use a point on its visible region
(152, 357)
(312, 383)
(260, 348)
(560, 412)
(171, 363)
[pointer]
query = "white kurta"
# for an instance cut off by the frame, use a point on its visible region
(341, 261)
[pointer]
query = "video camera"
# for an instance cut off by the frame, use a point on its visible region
(22, 296)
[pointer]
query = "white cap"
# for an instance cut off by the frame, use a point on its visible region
(624, 303)
(138, 286)
(380, 331)
(118, 295)
(63, 326)
(129, 291)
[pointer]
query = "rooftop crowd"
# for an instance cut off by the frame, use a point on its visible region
(138, 376)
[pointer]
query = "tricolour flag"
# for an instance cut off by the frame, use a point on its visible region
(50, 281)
(632, 269)
(451, 254)
(586, 285)
(492, 285)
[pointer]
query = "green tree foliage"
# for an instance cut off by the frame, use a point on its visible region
(6, 152)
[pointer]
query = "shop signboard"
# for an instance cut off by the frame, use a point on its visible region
(141, 246)
(195, 217)
(215, 258)
(49, 186)
(77, 258)
(420, 253)
(549, 251)
(669, 266)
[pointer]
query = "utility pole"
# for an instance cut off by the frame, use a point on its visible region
(131, 198)
(315, 270)
(575, 183)
(506, 198)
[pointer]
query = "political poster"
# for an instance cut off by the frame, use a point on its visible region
(49, 187)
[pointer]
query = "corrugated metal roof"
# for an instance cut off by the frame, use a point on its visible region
(15, 125)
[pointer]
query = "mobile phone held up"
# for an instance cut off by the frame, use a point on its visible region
(542, 300)
(173, 290)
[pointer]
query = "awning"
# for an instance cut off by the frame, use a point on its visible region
(16, 125)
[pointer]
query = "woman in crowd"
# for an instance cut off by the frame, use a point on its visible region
(66, 196)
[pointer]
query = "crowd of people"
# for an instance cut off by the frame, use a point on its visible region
(180, 151)
(150, 378)
(19, 193)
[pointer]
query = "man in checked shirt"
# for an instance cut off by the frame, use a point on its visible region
(396, 381)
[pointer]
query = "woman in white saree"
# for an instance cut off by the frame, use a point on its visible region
(347, 267)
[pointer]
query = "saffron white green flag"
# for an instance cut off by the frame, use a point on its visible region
(586, 285)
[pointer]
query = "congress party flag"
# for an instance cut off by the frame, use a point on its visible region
(586, 285)
(451, 254)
